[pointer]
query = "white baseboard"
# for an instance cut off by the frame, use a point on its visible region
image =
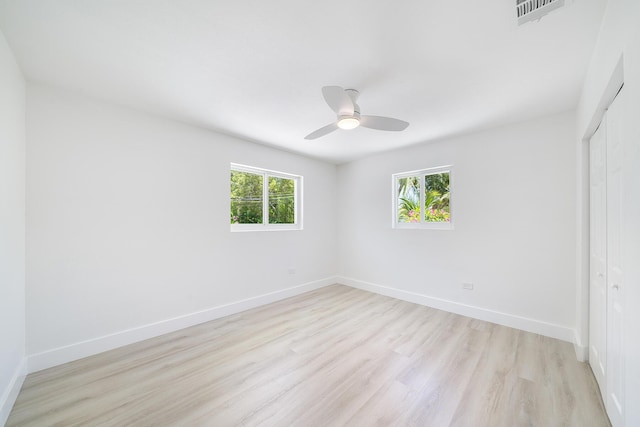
(10, 395)
(518, 322)
(582, 350)
(79, 350)
(58, 356)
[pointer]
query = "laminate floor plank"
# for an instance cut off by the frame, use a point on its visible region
(336, 356)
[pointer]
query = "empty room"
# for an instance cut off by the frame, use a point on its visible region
(249, 213)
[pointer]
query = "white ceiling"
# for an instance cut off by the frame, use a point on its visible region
(255, 68)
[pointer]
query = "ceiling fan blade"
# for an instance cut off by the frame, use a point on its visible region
(383, 123)
(338, 100)
(322, 131)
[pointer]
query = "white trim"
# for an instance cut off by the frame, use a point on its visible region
(423, 226)
(79, 350)
(11, 392)
(260, 171)
(240, 228)
(513, 321)
(608, 94)
(616, 81)
(582, 350)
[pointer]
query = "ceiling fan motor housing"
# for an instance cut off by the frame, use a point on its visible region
(353, 94)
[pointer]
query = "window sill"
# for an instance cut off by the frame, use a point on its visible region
(262, 227)
(424, 226)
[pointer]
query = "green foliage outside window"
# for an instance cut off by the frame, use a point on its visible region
(247, 200)
(436, 198)
(281, 201)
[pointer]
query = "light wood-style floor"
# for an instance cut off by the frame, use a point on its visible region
(332, 357)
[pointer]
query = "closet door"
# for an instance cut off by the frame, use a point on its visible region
(615, 369)
(598, 256)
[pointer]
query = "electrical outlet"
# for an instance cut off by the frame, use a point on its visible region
(467, 286)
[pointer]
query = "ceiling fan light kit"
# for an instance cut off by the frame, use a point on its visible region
(348, 123)
(343, 103)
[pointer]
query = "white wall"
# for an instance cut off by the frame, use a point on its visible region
(128, 224)
(620, 37)
(514, 216)
(12, 229)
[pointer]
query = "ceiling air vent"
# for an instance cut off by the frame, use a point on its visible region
(531, 10)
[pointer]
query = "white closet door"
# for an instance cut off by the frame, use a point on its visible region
(615, 369)
(598, 256)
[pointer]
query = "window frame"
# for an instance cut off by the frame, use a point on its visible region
(432, 225)
(266, 173)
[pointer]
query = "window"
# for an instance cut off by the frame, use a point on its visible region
(264, 200)
(422, 199)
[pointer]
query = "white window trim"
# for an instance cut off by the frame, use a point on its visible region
(297, 200)
(422, 224)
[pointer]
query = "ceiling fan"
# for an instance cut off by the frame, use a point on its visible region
(343, 102)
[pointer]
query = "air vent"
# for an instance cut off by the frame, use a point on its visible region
(532, 10)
